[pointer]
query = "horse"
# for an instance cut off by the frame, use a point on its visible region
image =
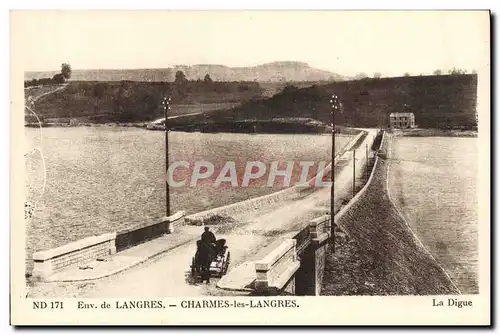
(204, 257)
(205, 254)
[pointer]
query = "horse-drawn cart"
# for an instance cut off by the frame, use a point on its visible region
(214, 258)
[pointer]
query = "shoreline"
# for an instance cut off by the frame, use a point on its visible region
(235, 128)
(87, 124)
(433, 132)
(264, 128)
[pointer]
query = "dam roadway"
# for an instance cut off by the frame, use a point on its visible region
(252, 236)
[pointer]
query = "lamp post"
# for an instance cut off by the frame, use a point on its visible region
(335, 104)
(166, 107)
(353, 173)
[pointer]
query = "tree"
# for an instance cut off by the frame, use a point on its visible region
(377, 75)
(361, 75)
(474, 71)
(180, 77)
(290, 88)
(207, 79)
(438, 72)
(455, 71)
(406, 74)
(58, 78)
(66, 70)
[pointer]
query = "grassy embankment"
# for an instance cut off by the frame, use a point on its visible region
(381, 256)
(126, 102)
(439, 102)
(38, 91)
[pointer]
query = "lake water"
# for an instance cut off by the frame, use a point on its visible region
(434, 181)
(105, 179)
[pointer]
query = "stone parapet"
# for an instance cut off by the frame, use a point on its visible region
(319, 228)
(165, 225)
(79, 252)
(277, 269)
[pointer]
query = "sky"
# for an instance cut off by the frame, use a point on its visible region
(347, 43)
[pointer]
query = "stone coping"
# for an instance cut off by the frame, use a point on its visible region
(170, 218)
(321, 239)
(285, 277)
(268, 262)
(73, 246)
(319, 220)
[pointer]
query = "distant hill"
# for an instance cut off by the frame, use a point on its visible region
(270, 72)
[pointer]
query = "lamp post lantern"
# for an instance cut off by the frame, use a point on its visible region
(166, 107)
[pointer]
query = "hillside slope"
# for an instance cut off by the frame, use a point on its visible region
(139, 101)
(274, 72)
(437, 101)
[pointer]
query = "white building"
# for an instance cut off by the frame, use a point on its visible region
(402, 120)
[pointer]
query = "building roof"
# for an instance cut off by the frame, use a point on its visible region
(402, 114)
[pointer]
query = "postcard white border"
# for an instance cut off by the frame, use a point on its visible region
(410, 309)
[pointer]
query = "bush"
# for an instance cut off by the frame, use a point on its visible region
(56, 80)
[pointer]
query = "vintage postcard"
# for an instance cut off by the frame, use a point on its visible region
(250, 167)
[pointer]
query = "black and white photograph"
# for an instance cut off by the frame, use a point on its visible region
(250, 159)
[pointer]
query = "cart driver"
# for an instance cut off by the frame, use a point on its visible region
(208, 237)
